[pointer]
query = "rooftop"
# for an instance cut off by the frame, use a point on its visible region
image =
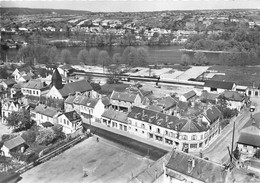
(123, 96)
(219, 84)
(78, 86)
(46, 110)
(202, 170)
(14, 142)
(115, 115)
(72, 116)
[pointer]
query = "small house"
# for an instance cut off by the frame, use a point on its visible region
(219, 86)
(14, 145)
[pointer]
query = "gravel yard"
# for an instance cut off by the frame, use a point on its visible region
(104, 161)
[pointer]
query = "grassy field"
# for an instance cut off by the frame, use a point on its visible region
(103, 161)
(241, 75)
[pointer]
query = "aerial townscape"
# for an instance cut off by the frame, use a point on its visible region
(170, 96)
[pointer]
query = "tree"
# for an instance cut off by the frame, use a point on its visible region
(53, 54)
(142, 56)
(59, 134)
(103, 57)
(257, 154)
(29, 136)
(117, 58)
(93, 55)
(200, 58)
(129, 55)
(20, 120)
(185, 59)
(65, 56)
(45, 137)
(83, 56)
(3, 73)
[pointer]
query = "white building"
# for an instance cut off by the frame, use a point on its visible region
(9, 106)
(70, 121)
(43, 113)
(33, 88)
(219, 86)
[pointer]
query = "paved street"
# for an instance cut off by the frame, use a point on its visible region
(218, 151)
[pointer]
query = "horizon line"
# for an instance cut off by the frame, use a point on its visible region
(133, 11)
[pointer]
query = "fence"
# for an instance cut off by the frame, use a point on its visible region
(50, 155)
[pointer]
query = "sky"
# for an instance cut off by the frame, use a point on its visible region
(133, 5)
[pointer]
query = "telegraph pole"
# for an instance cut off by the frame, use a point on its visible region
(233, 135)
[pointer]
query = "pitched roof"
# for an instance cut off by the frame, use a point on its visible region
(77, 86)
(66, 67)
(25, 69)
(208, 96)
(189, 94)
(249, 139)
(14, 142)
(203, 170)
(123, 96)
(152, 172)
(86, 101)
(213, 114)
(155, 108)
(106, 101)
(34, 84)
(219, 84)
(193, 126)
(72, 116)
(56, 79)
(9, 82)
(167, 102)
(253, 121)
(233, 96)
(70, 99)
(46, 110)
(115, 115)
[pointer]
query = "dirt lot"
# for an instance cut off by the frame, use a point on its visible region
(4, 129)
(104, 161)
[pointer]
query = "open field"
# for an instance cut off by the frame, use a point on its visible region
(241, 75)
(103, 161)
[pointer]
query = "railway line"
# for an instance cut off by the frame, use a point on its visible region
(125, 77)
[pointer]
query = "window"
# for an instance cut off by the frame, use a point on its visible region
(142, 131)
(256, 93)
(249, 92)
(150, 127)
(37, 93)
(64, 121)
(142, 126)
(166, 132)
(200, 144)
(193, 146)
(185, 137)
(158, 130)
(136, 129)
(193, 137)
(33, 92)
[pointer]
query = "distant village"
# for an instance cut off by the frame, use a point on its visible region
(186, 122)
(156, 28)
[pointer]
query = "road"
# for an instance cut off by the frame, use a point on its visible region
(218, 151)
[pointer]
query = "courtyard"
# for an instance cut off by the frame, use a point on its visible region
(102, 161)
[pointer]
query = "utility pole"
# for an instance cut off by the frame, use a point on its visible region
(233, 135)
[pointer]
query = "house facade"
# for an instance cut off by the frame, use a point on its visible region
(82, 87)
(22, 74)
(253, 91)
(234, 99)
(189, 96)
(70, 121)
(9, 106)
(13, 145)
(168, 129)
(249, 139)
(123, 101)
(33, 88)
(43, 113)
(115, 119)
(219, 86)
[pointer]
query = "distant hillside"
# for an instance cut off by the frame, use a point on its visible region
(30, 11)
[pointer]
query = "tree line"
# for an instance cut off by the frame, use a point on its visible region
(45, 55)
(240, 44)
